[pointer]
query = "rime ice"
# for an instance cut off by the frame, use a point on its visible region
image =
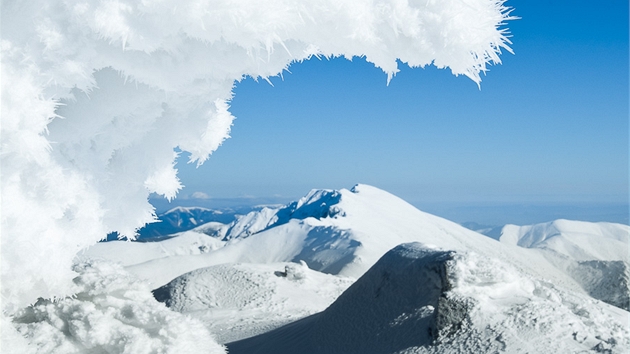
(95, 96)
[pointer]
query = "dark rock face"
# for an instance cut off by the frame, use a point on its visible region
(401, 302)
(608, 281)
(451, 314)
(163, 294)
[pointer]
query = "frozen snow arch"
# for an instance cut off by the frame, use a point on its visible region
(96, 94)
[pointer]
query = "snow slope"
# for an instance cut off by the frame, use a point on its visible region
(237, 301)
(420, 299)
(180, 219)
(594, 254)
(458, 291)
(129, 253)
(345, 232)
(579, 240)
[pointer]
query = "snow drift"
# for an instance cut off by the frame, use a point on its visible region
(112, 312)
(97, 94)
(237, 301)
(419, 299)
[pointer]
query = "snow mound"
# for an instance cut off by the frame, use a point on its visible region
(128, 253)
(419, 299)
(241, 300)
(111, 313)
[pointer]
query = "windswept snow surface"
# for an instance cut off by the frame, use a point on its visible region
(96, 95)
(111, 312)
(237, 301)
(420, 299)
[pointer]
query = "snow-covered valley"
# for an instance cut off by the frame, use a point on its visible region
(270, 281)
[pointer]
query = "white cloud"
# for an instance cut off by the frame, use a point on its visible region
(199, 195)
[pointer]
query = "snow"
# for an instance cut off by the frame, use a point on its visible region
(111, 312)
(129, 253)
(346, 235)
(287, 283)
(419, 299)
(98, 95)
(181, 219)
(594, 254)
(345, 232)
(237, 301)
(579, 240)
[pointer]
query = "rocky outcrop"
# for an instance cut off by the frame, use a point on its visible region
(401, 302)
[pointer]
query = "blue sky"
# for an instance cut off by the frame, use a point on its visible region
(549, 125)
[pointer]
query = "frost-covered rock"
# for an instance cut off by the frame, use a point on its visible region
(113, 312)
(419, 299)
(608, 281)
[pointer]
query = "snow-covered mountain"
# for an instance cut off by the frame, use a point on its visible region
(180, 219)
(345, 232)
(338, 232)
(213, 222)
(579, 240)
(492, 231)
(452, 289)
(594, 254)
